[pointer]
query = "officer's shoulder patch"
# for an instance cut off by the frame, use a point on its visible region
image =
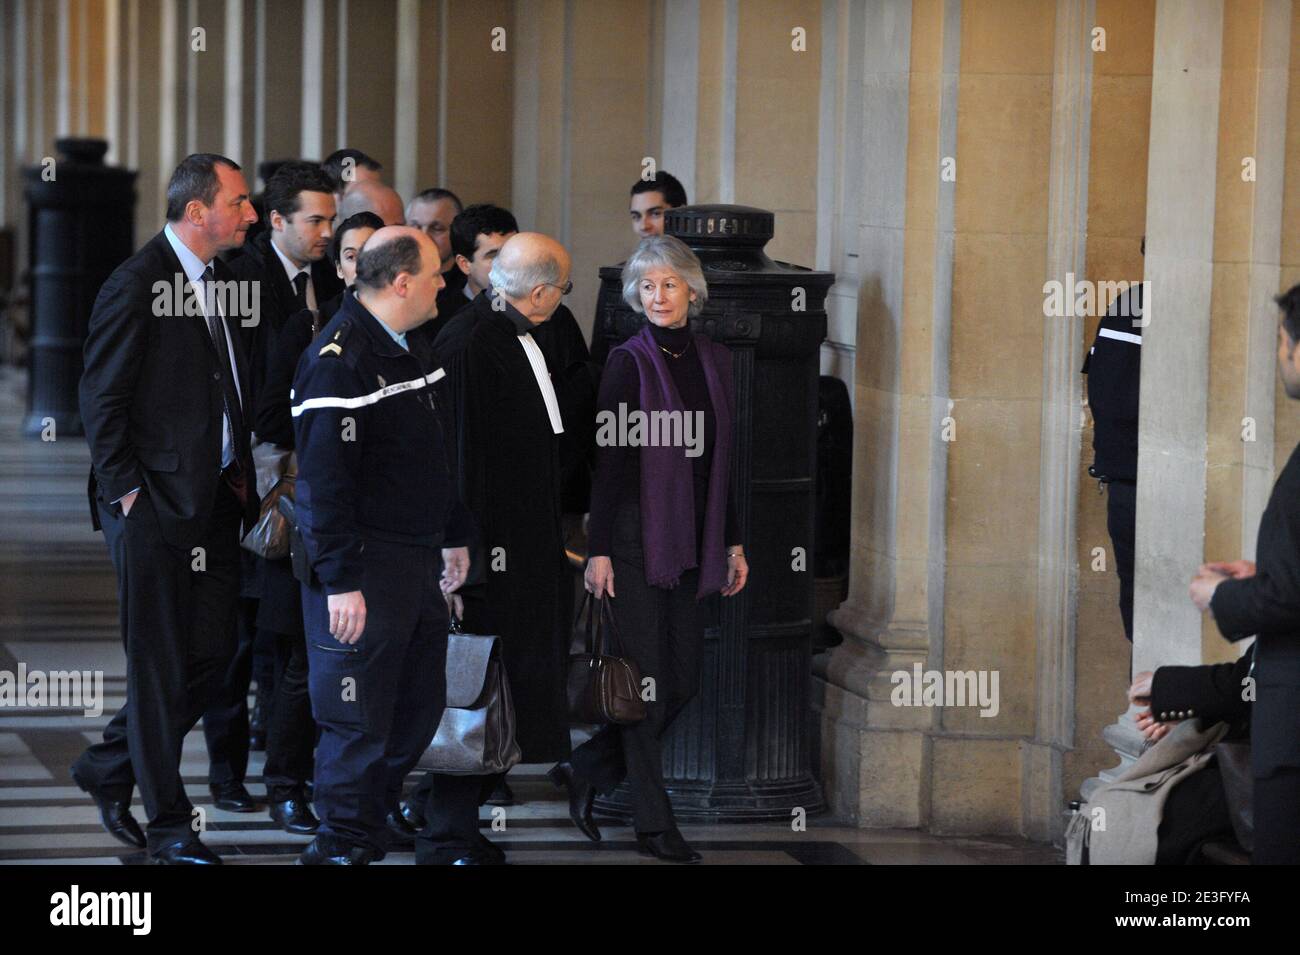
(335, 345)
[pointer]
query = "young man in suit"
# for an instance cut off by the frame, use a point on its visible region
(287, 263)
(1263, 600)
(165, 397)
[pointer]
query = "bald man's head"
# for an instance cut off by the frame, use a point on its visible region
(532, 273)
(398, 277)
(374, 197)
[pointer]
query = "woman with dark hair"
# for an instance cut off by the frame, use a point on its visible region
(663, 533)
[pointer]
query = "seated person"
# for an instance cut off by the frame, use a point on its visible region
(1197, 808)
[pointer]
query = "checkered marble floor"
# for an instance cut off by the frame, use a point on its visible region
(58, 610)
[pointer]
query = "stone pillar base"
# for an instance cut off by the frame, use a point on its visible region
(874, 756)
(1123, 737)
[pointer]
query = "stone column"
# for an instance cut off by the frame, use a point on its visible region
(1060, 427)
(875, 756)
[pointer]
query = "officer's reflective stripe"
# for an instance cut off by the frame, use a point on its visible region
(371, 398)
(1119, 336)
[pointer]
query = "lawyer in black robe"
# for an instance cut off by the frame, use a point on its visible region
(512, 486)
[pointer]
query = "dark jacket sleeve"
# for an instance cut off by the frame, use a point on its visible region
(116, 342)
(330, 444)
(1268, 602)
(1214, 693)
(274, 422)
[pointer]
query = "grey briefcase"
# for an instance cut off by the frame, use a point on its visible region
(476, 736)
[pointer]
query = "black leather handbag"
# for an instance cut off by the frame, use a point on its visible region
(476, 736)
(602, 688)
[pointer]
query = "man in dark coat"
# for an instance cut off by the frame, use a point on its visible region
(1264, 600)
(165, 398)
(287, 264)
(512, 426)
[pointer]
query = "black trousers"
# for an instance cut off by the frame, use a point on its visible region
(663, 631)
(1121, 522)
(225, 722)
(178, 625)
(449, 805)
(1195, 813)
(290, 730)
(1277, 817)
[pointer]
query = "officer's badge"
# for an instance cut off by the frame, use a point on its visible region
(335, 347)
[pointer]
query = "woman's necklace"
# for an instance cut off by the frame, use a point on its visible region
(675, 354)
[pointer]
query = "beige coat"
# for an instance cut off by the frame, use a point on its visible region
(1119, 824)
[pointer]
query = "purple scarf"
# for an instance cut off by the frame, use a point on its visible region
(667, 480)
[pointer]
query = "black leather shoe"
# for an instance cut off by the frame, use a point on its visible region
(503, 795)
(233, 797)
(116, 816)
(400, 832)
(669, 846)
(317, 854)
(581, 798)
(185, 852)
(294, 815)
(414, 821)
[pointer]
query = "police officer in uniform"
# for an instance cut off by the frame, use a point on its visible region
(383, 537)
(1114, 370)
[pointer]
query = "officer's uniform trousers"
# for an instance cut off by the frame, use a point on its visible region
(378, 701)
(1121, 522)
(178, 624)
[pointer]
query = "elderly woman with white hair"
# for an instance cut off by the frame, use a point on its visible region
(663, 533)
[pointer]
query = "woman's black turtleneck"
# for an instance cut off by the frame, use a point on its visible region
(618, 468)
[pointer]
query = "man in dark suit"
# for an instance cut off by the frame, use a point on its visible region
(288, 265)
(1264, 600)
(163, 398)
(432, 212)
